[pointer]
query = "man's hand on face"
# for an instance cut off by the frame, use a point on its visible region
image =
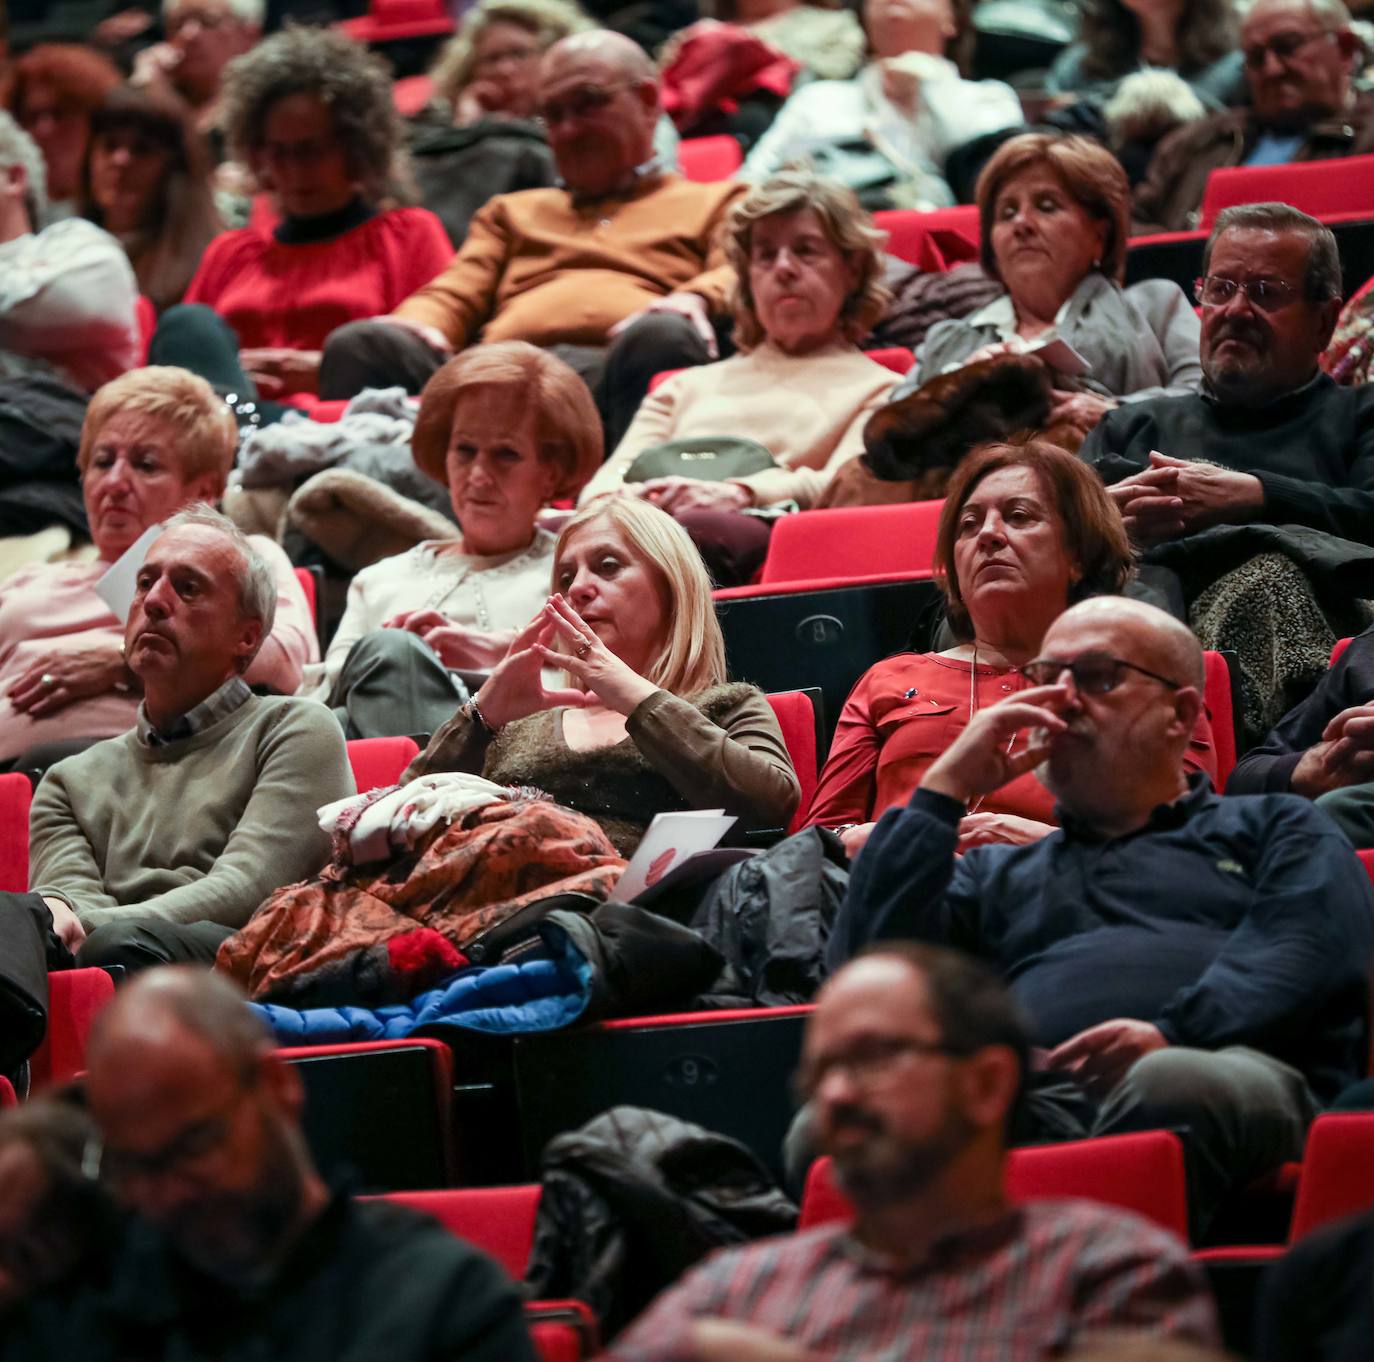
(1174, 497)
(991, 751)
(720, 1340)
(1344, 756)
(1099, 1058)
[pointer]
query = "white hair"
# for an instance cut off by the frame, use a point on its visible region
(252, 13)
(17, 148)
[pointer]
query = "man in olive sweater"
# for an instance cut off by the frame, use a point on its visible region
(155, 846)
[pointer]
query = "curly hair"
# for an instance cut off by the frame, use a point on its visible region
(547, 20)
(846, 224)
(342, 74)
(1110, 34)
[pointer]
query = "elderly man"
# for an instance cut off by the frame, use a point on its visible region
(621, 242)
(1299, 59)
(157, 845)
(912, 1062)
(1192, 962)
(237, 1249)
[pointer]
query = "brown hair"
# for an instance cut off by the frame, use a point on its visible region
(1089, 521)
(81, 76)
(1090, 174)
(566, 423)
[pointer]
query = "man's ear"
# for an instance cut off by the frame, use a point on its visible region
(646, 91)
(1187, 707)
(1328, 314)
(988, 1081)
(282, 1083)
(246, 645)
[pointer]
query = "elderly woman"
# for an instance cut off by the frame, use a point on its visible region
(1054, 217)
(646, 722)
(154, 440)
(1026, 531)
(147, 183)
(311, 112)
(809, 270)
(508, 428)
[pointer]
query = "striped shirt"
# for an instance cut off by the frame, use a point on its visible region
(1022, 1288)
(219, 704)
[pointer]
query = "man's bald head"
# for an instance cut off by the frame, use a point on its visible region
(618, 54)
(1170, 645)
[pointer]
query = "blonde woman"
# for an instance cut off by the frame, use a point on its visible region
(647, 722)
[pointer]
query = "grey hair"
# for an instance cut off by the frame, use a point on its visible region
(257, 580)
(252, 13)
(1323, 279)
(548, 20)
(17, 148)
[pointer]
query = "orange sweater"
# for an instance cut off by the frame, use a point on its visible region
(539, 267)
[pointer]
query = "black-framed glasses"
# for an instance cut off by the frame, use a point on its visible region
(866, 1065)
(183, 1156)
(581, 103)
(1093, 673)
(1269, 295)
(1283, 46)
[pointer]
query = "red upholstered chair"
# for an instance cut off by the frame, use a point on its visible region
(897, 358)
(146, 315)
(1341, 645)
(7, 1097)
(851, 542)
(1343, 186)
(74, 998)
(15, 795)
(934, 240)
(498, 1220)
(378, 762)
(1221, 711)
(391, 20)
(309, 586)
(410, 94)
(1140, 1172)
(705, 159)
(563, 1331)
(796, 714)
(1337, 1171)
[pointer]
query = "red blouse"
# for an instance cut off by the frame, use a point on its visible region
(294, 294)
(902, 714)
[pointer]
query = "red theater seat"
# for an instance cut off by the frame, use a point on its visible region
(796, 715)
(1342, 186)
(1221, 710)
(15, 796)
(378, 762)
(935, 240)
(498, 1220)
(75, 996)
(705, 159)
(851, 542)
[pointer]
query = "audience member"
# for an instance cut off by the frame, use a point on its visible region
(1299, 56)
(482, 138)
(828, 43)
(67, 295)
(648, 722)
(1197, 40)
(913, 1061)
(1272, 445)
(623, 252)
(1026, 530)
(1053, 214)
(154, 441)
(311, 111)
(53, 90)
(508, 427)
(156, 845)
(908, 103)
(1194, 963)
(1324, 748)
(147, 183)
(237, 1247)
(203, 37)
(810, 286)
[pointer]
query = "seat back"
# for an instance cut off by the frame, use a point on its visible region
(934, 240)
(15, 796)
(1220, 704)
(1337, 1176)
(378, 762)
(1341, 645)
(1139, 1172)
(853, 541)
(895, 357)
(7, 1094)
(498, 1220)
(795, 711)
(310, 590)
(705, 159)
(1345, 185)
(75, 996)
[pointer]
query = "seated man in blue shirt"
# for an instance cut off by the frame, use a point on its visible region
(1192, 962)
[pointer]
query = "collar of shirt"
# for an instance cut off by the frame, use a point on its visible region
(956, 1250)
(1000, 315)
(1171, 815)
(646, 171)
(219, 705)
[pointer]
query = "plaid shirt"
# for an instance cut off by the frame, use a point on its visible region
(220, 704)
(1020, 1289)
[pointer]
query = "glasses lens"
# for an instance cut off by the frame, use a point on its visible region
(1214, 290)
(1095, 676)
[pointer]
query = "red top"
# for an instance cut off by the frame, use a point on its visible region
(902, 714)
(294, 295)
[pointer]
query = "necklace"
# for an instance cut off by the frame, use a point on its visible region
(972, 710)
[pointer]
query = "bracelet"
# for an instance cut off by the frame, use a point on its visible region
(479, 719)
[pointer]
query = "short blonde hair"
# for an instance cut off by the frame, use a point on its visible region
(548, 20)
(693, 655)
(567, 425)
(207, 435)
(847, 225)
(1090, 174)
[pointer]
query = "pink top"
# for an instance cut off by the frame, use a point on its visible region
(49, 608)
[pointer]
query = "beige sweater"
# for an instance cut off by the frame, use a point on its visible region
(809, 411)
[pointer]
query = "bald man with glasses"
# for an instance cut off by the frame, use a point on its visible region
(1188, 962)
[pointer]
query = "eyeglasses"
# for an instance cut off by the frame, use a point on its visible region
(1283, 46)
(1093, 673)
(517, 56)
(590, 99)
(184, 1156)
(1269, 295)
(866, 1066)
